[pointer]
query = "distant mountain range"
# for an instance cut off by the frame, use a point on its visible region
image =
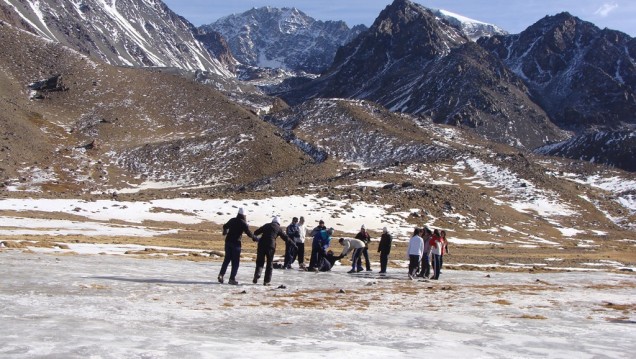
(561, 82)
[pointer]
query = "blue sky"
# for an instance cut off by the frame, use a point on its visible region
(511, 15)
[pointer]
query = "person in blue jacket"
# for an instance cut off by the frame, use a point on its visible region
(319, 246)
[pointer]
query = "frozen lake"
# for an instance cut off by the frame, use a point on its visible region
(107, 306)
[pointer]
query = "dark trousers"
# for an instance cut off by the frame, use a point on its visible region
(290, 255)
(296, 253)
(426, 266)
(356, 259)
(414, 263)
(384, 260)
(316, 255)
(232, 255)
(261, 257)
(300, 254)
(365, 253)
(437, 265)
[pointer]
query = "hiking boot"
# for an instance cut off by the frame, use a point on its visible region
(267, 284)
(232, 281)
(255, 280)
(220, 279)
(359, 269)
(352, 271)
(369, 270)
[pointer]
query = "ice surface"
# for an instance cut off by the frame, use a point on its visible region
(117, 307)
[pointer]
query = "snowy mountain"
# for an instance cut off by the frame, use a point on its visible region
(123, 32)
(582, 76)
(409, 61)
(614, 148)
(283, 38)
(474, 29)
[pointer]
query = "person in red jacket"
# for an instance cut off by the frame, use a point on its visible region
(436, 249)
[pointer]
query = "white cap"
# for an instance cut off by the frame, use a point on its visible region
(362, 226)
(276, 220)
(385, 230)
(241, 211)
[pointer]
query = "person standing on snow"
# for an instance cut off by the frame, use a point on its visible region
(291, 246)
(364, 236)
(425, 268)
(233, 231)
(415, 251)
(315, 245)
(300, 243)
(266, 248)
(437, 244)
(384, 248)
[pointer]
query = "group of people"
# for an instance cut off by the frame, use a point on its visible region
(321, 257)
(426, 251)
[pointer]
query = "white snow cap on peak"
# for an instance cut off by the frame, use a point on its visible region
(276, 220)
(241, 211)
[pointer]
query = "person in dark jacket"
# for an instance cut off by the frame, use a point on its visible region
(233, 231)
(291, 251)
(384, 248)
(328, 261)
(267, 247)
(364, 236)
(315, 245)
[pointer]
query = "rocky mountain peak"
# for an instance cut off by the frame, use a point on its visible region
(284, 38)
(142, 33)
(582, 76)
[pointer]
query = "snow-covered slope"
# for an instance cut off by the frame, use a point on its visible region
(122, 32)
(474, 29)
(283, 38)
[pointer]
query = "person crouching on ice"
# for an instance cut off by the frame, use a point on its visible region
(356, 246)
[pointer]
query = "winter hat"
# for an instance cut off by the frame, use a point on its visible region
(276, 220)
(330, 231)
(385, 230)
(362, 226)
(241, 211)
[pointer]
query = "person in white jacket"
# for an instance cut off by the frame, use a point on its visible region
(415, 252)
(356, 246)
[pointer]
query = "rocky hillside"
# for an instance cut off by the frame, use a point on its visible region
(410, 61)
(74, 125)
(614, 148)
(582, 76)
(283, 38)
(124, 32)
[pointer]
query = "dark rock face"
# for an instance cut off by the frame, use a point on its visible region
(582, 76)
(613, 148)
(283, 38)
(410, 61)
